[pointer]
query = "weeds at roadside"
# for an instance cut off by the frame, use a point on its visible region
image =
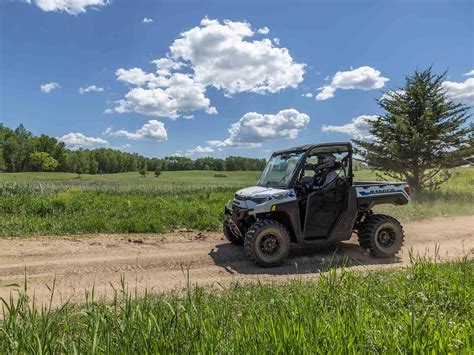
(424, 308)
(43, 204)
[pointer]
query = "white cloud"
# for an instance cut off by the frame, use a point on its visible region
(72, 7)
(264, 30)
(469, 73)
(46, 88)
(211, 54)
(91, 88)
(389, 94)
(363, 78)
(308, 94)
(164, 66)
(200, 150)
(254, 128)
(120, 147)
(220, 56)
(147, 20)
(134, 76)
(78, 140)
(327, 92)
(211, 110)
(358, 128)
(174, 94)
(153, 130)
(463, 91)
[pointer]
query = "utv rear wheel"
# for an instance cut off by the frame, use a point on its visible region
(267, 243)
(231, 236)
(381, 235)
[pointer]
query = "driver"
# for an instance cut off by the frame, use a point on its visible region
(325, 177)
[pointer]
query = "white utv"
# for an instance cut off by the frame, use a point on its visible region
(287, 206)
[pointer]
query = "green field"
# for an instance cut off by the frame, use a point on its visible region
(61, 203)
(426, 308)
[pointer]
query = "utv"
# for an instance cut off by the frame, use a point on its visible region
(285, 207)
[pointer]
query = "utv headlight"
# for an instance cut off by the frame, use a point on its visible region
(259, 200)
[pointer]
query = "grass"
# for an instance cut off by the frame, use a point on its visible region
(60, 203)
(425, 308)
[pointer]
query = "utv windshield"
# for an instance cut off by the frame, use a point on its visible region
(280, 169)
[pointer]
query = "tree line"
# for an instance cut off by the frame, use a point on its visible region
(21, 151)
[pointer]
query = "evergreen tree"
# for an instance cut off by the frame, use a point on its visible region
(421, 134)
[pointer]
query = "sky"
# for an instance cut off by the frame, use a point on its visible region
(220, 78)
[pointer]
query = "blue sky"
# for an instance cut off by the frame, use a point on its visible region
(254, 70)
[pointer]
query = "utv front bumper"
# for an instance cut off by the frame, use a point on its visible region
(236, 215)
(238, 219)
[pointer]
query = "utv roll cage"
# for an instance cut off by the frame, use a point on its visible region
(334, 147)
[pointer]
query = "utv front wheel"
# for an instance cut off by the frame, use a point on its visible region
(267, 243)
(381, 235)
(231, 236)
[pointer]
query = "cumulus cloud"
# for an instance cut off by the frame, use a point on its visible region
(46, 88)
(469, 73)
(264, 30)
(358, 128)
(134, 76)
(217, 54)
(72, 7)
(147, 20)
(254, 128)
(153, 130)
(462, 91)
(164, 66)
(308, 94)
(363, 78)
(78, 140)
(177, 93)
(199, 150)
(91, 88)
(220, 56)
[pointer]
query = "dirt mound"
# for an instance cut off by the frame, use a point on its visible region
(166, 262)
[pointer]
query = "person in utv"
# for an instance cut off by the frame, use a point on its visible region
(325, 176)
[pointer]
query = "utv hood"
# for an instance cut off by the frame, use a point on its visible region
(257, 191)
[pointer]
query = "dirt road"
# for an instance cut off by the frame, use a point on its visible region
(161, 262)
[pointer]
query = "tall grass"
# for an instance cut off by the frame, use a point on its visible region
(426, 308)
(48, 204)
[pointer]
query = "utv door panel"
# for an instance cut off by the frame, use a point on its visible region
(322, 210)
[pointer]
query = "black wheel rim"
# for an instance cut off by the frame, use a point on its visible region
(269, 244)
(386, 237)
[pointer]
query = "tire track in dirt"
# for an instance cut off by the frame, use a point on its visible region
(162, 263)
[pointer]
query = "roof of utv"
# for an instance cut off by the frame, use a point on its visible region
(311, 146)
